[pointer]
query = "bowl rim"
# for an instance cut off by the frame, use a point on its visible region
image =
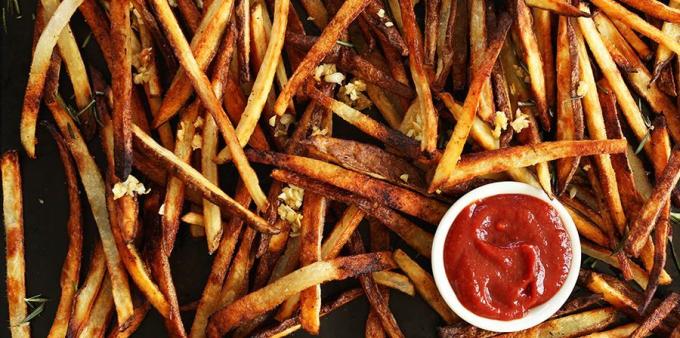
(535, 315)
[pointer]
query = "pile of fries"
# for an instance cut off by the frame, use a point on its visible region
(577, 98)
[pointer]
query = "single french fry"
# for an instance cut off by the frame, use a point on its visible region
(543, 20)
(344, 16)
(121, 85)
(655, 9)
(459, 63)
(102, 309)
(193, 178)
(414, 236)
(390, 195)
(202, 85)
(133, 324)
(557, 7)
(657, 316)
(524, 26)
(190, 13)
(211, 213)
(478, 32)
(70, 272)
(12, 203)
(313, 218)
(634, 40)
(569, 124)
(588, 230)
(618, 12)
(424, 284)
(494, 161)
(572, 325)
(454, 148)
(203, 47)
(38, 74)
(622, 331)
(639, 275)
(394, 281)
(663, 54)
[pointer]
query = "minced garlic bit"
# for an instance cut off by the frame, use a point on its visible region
(381, 13)
(199, 122)
(404, 177)
(272, 121)
(438, 191)
(316, 131)
(353, 95)
(329, 73)
(309, 18)
(199, 4)
(161, 210)
(416, 130)
(572, 191)
(521, 121)
(292, 197)
(196, 142)
(141, 62)
(130, 187)
(389, 24)
(586, 167)
(500, 123)
(582, 89)
(172, 3)
(287, 119)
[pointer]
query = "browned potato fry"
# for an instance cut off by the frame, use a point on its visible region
(87, 292)
(663, 55)
(657, 316)
(459, 62)
(133, 323)
(572, 325)
(38, 74)
(454, 148)
(390, 195)
(478, 32)
(634, 40)
(344, 228)
(557, 7)
(262, 300)
(102, 310)
(642, 225)
(236, 282)
(13, 218)
(655, 9)
(622, 331)
(524, 28)
(639, 275)
(121, 85)
(343, 18)
(202, 85)
(291, 325)
(313, 218)
(494, 161)
(589, 230)
(190, 13)
(569, 125)
(543, 21)
(194, 179)
(96, 18)
(432, 24)
(424, 283)
(420, 240)
(203, 47)
(70, 272)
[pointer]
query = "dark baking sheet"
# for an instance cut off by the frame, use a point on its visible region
(45, 212)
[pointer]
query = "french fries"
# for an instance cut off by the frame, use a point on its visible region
(13, 219)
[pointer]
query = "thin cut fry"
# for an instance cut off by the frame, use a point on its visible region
(12, 203)
(101, 312)
(557, 7)
(121, 84)
(313, 218)
(39, 67)
(571, 326)
(639, 275)
(88, 291)
(657, 316)
(478, 43)
(634, 40)
(655, 9)
(424, 283)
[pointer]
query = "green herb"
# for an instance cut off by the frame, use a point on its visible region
(4, 21)
(643, 142)
(603, 89)
(87, 40)
(676, 261)
(37, 303)
(37, 299)
(70, 110)
(86, 108)
(70, 131)
(525, 104)
(14, 6)
(345, 43)
(675, 218)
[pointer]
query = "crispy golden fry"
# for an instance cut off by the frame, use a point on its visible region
(212, 216)
(569, 123)
(291, 325)
(390, 195)
(642, 225)
(622, 331)
(657, 316)
(344, 228)
(432, 26)
(203, 46)
(317, 11)
(588, 230)
(87, 293)
(557, 7)
(618, 12)
(71, 269)
(149, 21)
(121, 85)
(190, 13)
(543, 20)
(344, 16)
(639, 275)
(655, 9)
(12, 203)
(424, 284)
(202, 86)
(194, 179)
(524, 27)
(133, 323)
(394, 281)
(420, 240)
(454, 148)
(494, 161)
(571, 326)
(258, 302)
(663, 54)
(102, 309)
(263, 81)
(313, 218)
(38, 74)
(478, 32)
(634, 40)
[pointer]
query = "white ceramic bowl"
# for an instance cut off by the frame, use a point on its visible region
(535, 315)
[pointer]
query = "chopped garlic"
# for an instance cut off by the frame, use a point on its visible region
(199, 122)
(161, 210)
(199, 4)
(416, 129)
(316, 131)
(172, 3)
(521, 121)
(287, 119)
(500, 122)
(292, 197)
(389, 24)
(381, 13)
(404, 177)
(572, 191)
(353, 95)
(272, 121)
(438, 191)
(323, 70)
(309, 18)
(582, 89)
(336, 78)
(130, 187)
(196, 142)
(586, 167)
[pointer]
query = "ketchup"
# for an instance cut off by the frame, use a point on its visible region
(506, 254)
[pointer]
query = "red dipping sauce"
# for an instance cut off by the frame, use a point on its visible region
(505, 254)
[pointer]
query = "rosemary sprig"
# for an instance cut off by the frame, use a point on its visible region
(643, 142)
(345, 43)
(37, 303)
(87, 40)
(525, 103)
(37, 299)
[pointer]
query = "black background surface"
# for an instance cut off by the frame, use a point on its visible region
(46, 206)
